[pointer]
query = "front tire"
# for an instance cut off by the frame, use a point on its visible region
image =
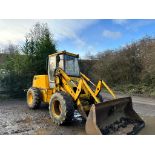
(33, 98)
(61, 108)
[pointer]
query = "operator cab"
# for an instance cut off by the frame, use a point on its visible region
(64, 60)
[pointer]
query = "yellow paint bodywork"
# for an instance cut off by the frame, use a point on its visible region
(42, 82)
(77, 87)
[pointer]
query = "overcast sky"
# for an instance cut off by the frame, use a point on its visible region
(80, 36)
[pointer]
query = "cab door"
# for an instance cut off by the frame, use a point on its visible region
(53, 63)
(51, 70)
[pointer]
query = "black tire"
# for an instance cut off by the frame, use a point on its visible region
(61, 108)
(35, 101)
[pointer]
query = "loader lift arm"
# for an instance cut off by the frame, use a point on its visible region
(99, 86)
(81, 84)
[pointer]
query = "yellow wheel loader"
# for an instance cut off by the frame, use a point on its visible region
(66, 89)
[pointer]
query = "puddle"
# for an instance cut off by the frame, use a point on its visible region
(149, 128)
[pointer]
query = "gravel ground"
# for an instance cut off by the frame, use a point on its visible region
(17, 118)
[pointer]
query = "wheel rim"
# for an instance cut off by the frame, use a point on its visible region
(30, 98)
(56, 108)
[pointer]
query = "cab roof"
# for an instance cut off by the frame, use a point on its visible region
(64, 52)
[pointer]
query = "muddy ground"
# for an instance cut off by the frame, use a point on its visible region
(17, 118)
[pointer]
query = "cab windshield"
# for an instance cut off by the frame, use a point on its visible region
(71, 65)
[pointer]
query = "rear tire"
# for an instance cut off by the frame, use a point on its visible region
(61, 108)
(33, 98)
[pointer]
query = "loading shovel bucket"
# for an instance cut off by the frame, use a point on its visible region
(114, 117)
